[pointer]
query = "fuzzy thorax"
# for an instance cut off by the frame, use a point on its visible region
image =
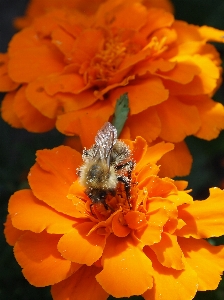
(97, 175)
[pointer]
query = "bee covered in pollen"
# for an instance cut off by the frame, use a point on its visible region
(105, 164)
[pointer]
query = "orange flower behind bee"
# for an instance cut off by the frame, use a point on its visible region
(68, 68)
(152, 243)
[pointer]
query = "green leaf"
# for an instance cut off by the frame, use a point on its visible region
(121, 113)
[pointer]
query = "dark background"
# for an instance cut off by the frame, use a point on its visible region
(18, 147)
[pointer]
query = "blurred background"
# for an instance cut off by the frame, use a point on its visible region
(18, 147)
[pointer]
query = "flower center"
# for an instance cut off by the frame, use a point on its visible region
(107, 61)
(119, 201)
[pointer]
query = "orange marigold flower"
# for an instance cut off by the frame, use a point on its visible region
(67, 68)
(151, 243)
(38, 7)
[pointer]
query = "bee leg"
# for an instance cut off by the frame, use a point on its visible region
(126, 181)
(91, 208)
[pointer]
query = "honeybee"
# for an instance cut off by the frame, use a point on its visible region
(106, 163)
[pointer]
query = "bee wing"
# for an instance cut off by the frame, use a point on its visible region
(105, 139)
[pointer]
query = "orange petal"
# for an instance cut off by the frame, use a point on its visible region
(7, 112)
(63, 41)
(154, 66)
(61, 102)
(153, 154)
(170, 284)
(135, 220)
(57, 166)
(139, 124)
(212, 118)
(211, 34)
(204, 83)
(165, 4)
(12, 234)
(203, 219)
(38, 98)
(157, 203)
(183, 72)
(186, 116)
(72, 102)
(138, 13)
(157, 19)
(6, 83)
(182, 197)
(146, 171)
(65, 83)
(24, 48)
(186, 31)
(29, 116)
(158, 187)
(176, 162)
(139, 148)
(29, 213)
(168, 252)
(126, 269)
(87, 45)
(142, 95)
(206, 260)
(41, 262)
(74, 123)
(152, 233)
(81, 285)
(118, 228)
(80, 248)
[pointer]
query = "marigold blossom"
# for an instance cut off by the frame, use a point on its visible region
(153, 245)
(68, 68)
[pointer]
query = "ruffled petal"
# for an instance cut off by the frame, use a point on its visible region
(81, 285)
(164, 4)
(74, 123)
(29, 213)
(137, 11)
(158, 18)
(139, 124)
(158, 187)
(80, 247)
(57, 166)
(36, 95)
(203, 83)
(126, 269)
(212, 118)
(63, 41)
(11, 233)
(87, 45)
(151, 234)
(31, 119)
(23, 48)
(7, 112)
(6, 83)
(118, 228)
(41, 262)
(138, 148)
(65, 83)
(135, 220)
(170, 284)
(142, 95)
(168, 252)
(206, 260)
(176, 162)
(200, 223)
(173, 112)
(155, 153)
(211, 34)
